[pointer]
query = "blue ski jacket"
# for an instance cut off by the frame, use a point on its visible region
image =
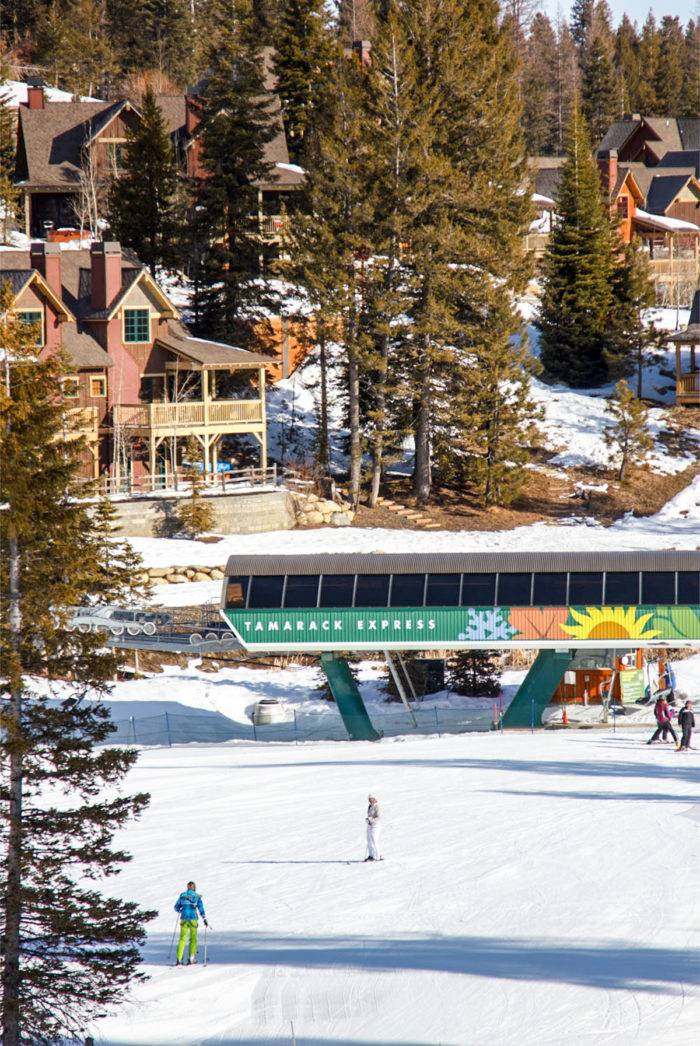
(188, 904)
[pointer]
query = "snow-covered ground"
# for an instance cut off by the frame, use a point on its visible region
(675, 526)
(537, 890)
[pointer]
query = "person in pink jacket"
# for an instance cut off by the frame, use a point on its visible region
(664, 723)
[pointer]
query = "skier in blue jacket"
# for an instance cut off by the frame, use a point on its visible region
(188, 904)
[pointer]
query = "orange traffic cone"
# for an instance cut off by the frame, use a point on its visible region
(564, 716)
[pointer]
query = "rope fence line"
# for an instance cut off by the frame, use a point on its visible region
(168, 729)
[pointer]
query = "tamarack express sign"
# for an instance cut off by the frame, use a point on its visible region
(461, 627)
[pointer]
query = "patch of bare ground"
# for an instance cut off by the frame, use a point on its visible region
(549, 495)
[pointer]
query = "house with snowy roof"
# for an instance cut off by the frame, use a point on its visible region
(140, 385)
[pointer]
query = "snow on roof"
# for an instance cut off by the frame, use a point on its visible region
(661, 221)
(17, 91)
(539, 198)
(291, 167)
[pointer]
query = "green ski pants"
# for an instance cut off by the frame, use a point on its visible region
(187, 926)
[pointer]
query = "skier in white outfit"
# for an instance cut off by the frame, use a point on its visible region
(373, 830)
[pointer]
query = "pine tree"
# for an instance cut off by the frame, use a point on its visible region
(566, 78)
(152, 34)
(627, 64)
(628, 434)
(9, 196)
(669, 72)
(121, 567)
(231, 257)
(304, 52)
(540, 102)
(599, 102)
(581, 18)
(143, 198)
(690, 97)
(85, 63)
(630, 341)
(69, 951)
(649, 49)
(474, 673)
(195, 515)
(578, 263)
(329, 231)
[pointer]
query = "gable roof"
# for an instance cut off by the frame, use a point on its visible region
(21, 278)
(617, 134)
(689, 130)
(663, 191)
(51, 140)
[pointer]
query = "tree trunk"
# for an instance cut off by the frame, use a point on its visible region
(353, 396)
(422, 474)
(13, 866)
(378, 442)
(324, 445)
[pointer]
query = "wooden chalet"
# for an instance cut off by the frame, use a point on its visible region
(141, 385)
(58, 141)
(688, 380)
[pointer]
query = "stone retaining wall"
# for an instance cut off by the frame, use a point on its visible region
(179, 575)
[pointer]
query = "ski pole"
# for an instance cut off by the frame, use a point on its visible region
(172, 939)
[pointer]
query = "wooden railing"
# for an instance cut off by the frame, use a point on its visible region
(190, 415)
(680, 267)
(82, 421)
(688, 389)
(273, 224)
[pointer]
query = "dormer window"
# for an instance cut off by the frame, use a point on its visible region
(137, 326)
(33, 318)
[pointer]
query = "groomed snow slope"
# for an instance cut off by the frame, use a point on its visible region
(537, 890)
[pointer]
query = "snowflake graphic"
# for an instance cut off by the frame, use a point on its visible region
(487, 625)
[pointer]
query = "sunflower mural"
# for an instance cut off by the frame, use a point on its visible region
(610, 623)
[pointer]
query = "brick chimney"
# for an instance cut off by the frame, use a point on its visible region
(607, 164)
(106, 273)
(35, 97)
(46, 259)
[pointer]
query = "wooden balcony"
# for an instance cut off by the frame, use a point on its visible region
(688, 389)
(82, 421)
(189, 418)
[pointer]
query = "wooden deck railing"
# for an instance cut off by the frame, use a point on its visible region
(688, 389)
(159, 417)
(82, 421)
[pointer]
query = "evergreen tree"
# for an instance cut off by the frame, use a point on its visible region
(630, 341)
(581, 18)
(566, 77)
(627, 64)
(85, 63)
(649, 48)
(474, 673)
(329, 231)
(236, 127)
(304, 52)
(9, 196)
(628, 434)
(598, 87)
(690, 97)
(669, 72)
(69, 952)
(195, 515)
(578, 263)
(120, 568)
(540, 101)
(152, 34)
(143, 198)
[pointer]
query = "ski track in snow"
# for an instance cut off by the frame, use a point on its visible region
(537, 890)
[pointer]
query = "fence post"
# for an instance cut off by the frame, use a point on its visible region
(255, 736)
(133, 727)
(296, 739)
(532, 716)
(167, 730)
(437, 721)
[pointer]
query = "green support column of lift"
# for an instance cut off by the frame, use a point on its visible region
(536, 690)
(347, 697)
